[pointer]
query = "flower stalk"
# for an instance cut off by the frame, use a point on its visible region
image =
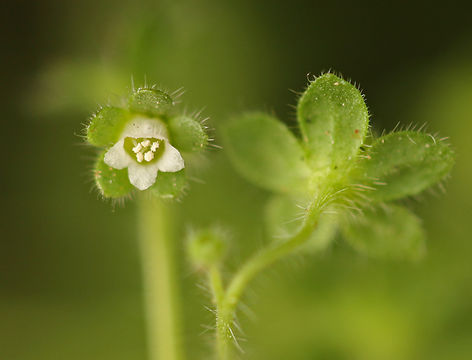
(159, 266)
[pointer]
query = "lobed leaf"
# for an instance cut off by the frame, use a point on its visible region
(333, 119)
(106, 126)
(187, 135)
(387, 232)
(151, 102)
(405, 163)
(111, 182)
(264, 151)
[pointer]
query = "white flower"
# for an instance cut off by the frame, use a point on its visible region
(144, 149)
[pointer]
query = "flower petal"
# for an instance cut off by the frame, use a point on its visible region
(116, 156)
(142, 176)
(141, 127)
(171, 160)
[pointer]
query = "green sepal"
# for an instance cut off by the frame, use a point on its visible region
(151, 102)
(265, 151)
(333, 120)
(187, 134)
(106, 125)
(285, 216)
(386, 232)
(112, 183)
(169, 185)
(405, 163)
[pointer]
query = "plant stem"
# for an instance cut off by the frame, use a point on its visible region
(223, 334)
(161, 292)
(216, 286)
(226, 311)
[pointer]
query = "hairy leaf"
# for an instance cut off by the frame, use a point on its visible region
(386, 232)
(333, 119)
(405, 163)
(264, 151)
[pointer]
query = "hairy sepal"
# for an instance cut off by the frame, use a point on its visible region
(152, 102)
(187, 134)
(169, 185)
(106, 125)
(111, 182)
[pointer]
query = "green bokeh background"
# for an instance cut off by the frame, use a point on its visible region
(69, 268)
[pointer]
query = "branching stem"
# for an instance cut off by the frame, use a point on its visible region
(226, 307)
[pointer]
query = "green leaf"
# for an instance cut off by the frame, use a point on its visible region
(386, 232)
(333, 119)
(187, 135)
(111, 182)
(169, 185)
(106, 126)
(405, 163)
(285, 216)
(151, 102)
(264, 151)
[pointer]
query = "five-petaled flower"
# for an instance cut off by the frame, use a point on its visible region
(141, 141)
(145, 150)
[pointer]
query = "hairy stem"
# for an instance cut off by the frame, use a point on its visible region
(226, 310)
(218, 292)
(159, 280)
(216, 285)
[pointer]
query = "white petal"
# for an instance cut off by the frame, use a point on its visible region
(142, 127)
(171, 160)
(142, 176)
(116, 156)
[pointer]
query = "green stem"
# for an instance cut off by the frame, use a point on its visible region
(218, 292)
(158, 254)
(223, 335)
(257, 263)
(216, 285)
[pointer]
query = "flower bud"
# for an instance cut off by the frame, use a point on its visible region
(206, 247)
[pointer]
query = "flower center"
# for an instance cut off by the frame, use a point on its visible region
(144, 150)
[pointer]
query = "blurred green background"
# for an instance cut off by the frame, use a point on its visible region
(69, 270)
